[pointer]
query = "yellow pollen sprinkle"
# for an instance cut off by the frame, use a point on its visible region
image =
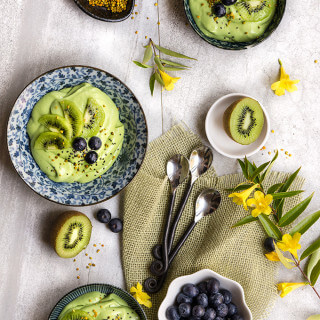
(98, 250)
(94, 245)
(136, 32)
(272, 131)
(315, 61)
(156, 4)
(263, 148)
(74, 260)
(78, 277)
(269, 152)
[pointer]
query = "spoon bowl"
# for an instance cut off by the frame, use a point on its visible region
(207, 203)
(200, 161)
(177, 170)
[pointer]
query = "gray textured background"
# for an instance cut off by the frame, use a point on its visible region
(38, 35)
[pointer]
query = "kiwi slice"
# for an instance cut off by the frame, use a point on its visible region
(73, 115)
(244, 120)
(255, 10)
(77, 315)
(71, 234)
(93, 118)
(51, 141)
(57, 124)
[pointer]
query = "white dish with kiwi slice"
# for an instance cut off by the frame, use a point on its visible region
(237, 125)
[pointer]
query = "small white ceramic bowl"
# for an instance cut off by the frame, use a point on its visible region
(202, 275)
(218, 137)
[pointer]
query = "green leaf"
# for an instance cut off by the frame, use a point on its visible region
(311, 249)
(258, 170)
(142, 65)
(158, 78)
(240, 187)
(243, 168)
(279, 209)
(314, 317)
(175, 64)
(250, 170)
(270, 228)
(147, 55)
(306, 223)
(315, 273)
(274, 188)
(174, 68)
(282, 258)
(288, 194)
(151, 82)
(172, 53)
(245, 220)
(264, 175)
(295, 212)
(158, 62)
(315, 258)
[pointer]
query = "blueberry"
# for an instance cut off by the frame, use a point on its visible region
(115, 225)
(182, 298)
(202, 300)
(229, 2)
(219, 10)
(269, 244)
(232, 309)
(226, 295)
(194, 318)
(190, 290)
(95, 143)
(202, 286)
(210, 314)
(185, 310)
(222, 310)
(236, 317)
(79, 144)
(215, 300)
(104, 215)
(219, 318)
(213, 286)
(172, 313)
(198, 311)
(91, 157)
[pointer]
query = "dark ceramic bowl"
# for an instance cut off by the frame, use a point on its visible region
(101, 13)
(238, 45)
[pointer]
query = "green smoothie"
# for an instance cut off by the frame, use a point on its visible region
(101, 307)
(61, 116)
(245, 20)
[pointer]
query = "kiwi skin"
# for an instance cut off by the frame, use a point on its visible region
(61, 220)
(227, 115)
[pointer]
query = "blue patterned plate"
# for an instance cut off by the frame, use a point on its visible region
(238, 45)
(126, 165)
(104, 288)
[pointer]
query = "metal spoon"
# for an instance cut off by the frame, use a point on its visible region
(200, 162)
(207, 203)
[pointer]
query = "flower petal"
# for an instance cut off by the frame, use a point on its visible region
(252, 202)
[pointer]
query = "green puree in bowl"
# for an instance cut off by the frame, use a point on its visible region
(101, 307)
(64, 164)
(234, 26)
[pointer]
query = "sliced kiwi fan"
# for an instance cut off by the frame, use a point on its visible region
(57, 124)
(51, 141)
(255, 10)
(74, 116)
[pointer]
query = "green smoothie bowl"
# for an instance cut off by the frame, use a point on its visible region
(234, 24)
(97, 301)
(77, 135)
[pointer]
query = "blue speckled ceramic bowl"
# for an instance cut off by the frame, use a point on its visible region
(126, 165)
(104, 288)
(238, 45)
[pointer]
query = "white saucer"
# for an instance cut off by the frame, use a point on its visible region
(218, 137)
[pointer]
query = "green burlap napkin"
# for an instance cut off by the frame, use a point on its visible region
(236, 253)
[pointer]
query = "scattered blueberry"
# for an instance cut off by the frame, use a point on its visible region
(202, 286)
(202, 300)
(232, 309)
(219, 318)
(182, 298)
(229, 2)
(236, 317)
(79, 144)
(227, 296)
(104, 215)
(190, 290)
(185, 310)
(172, 313)
(210, 314)
(115, 225)
(213, 286)
(198, 311)
(222, 310)
(91, 157)
(95, 143)
(269, 244)
(219, 10)
(215, 300)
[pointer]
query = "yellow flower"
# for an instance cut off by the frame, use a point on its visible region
(260, 203)
(290, 243)
(168, 81)
(140, 296)
(286, 288)
(240, 198)
(284, 84)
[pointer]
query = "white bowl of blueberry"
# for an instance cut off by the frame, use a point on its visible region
(204, 295)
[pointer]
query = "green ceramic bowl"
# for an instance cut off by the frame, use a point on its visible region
(238, 45)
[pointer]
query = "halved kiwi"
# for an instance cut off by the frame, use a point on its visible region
(51, 141)
(77, 315)
(244, 120)
(255, 10)
(93, 118)
(71, 234)
(73, 115)
(57, 124)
